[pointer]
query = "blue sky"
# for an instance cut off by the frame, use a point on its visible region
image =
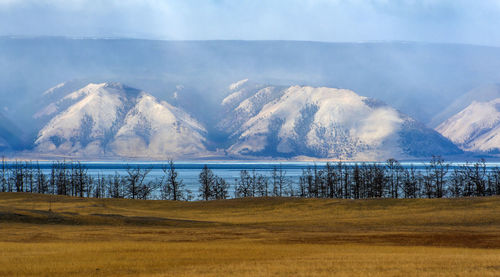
(451, 21)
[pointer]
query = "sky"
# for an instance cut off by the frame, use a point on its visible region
(448, 21)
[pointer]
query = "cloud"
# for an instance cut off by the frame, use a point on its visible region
(459, 21)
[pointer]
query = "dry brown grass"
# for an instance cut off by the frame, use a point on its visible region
(248, 237)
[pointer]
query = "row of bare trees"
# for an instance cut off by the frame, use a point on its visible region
(436, 179)
(73, 178)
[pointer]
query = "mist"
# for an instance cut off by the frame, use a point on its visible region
(401, 74)
(444, 21)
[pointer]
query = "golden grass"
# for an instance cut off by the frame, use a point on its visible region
(248, 237)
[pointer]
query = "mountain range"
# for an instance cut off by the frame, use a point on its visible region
(112, 120)
(279, 104)
(421, 79)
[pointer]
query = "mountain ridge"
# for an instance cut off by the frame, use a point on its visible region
(256, 120)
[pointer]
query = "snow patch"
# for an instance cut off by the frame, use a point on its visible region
(238, 84)
(54, 88)
(232, 98)
(49, 110)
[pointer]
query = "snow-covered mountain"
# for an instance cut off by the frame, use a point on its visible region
(326, 123)
(483, 93)
(54, 100)
(110, 119)
(475, 128)
(245, 101)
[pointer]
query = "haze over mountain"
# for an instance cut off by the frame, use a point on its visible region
(447, 21)
(417, 78)
(112, 120)
(427, 82)
(483, 93)
(11, 137)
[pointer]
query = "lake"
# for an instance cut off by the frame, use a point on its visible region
(229, 170)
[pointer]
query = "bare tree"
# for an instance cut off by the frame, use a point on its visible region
(457, 182)
(394, 172)
(261, 185)
(279, 180)
(357, 188)
(3, 176)
(115, 186)
(99, 187)
(221, 188)
(494, 181)
(135, 180)
(146, 188)
(81, 179)
(439, 170)
(173, 188)
(17, 176)
(478, 178)
(410, 182)
(41, 180)
(330, 179)
(428, 184)
(207, 181)
(244, 185)
(302, 186)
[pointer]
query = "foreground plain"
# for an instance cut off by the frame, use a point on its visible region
(248, 237)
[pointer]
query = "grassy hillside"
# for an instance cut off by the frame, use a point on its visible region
(248, 237)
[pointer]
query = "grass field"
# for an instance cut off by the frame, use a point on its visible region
(248, 237)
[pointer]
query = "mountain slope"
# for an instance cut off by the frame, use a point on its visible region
(155, 128)
(475, 128)
(479, 94)
(332, 123)
(244, 102)
(106, 120)
(55, 100)
(11, 138)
